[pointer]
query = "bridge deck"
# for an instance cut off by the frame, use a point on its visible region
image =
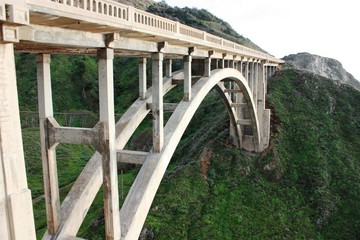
(108, 17)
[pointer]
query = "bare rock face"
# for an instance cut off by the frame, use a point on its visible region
(326, 67)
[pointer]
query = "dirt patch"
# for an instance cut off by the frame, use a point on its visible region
(205, 162)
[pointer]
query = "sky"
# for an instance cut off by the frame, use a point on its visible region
(327, 28)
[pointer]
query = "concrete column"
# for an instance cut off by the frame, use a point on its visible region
(142, 78)
(168, 68)
(261, 89)
(261, 99)
(48, 154)
(187, 78)
(109, 163)
(255, 82)
(246, 71)
(207, 67)
(251, 75)
(222, 63)
(157, 104)
(240, 67)
(216, 63)
(232, 64)
(16, 213)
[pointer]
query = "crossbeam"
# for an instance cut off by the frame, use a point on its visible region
(134, 157)
(71, 135)
(166, 106)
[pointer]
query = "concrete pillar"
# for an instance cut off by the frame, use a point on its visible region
(16, 213)
(222, 63)
(216, 63)
(168, 68)
(48, 154)
(207, 67)
(246, 71)
(251, 75)
(142, 78)
(256, 80)
(187, 78)
(157, 104)
(231, 63)
(108, 151)
(240, 67)
(261, 89)
(261, 98)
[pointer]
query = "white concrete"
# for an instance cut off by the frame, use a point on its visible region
(138, 201)
(109, 158)
(15, 199)
(157, 101)
(48, 154)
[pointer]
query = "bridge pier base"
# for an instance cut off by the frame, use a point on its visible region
(16, 211)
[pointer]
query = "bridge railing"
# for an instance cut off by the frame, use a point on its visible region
(117, 13)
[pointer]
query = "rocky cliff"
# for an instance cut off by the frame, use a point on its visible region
(326, 67)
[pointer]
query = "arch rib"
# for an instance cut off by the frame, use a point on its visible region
(137, 203)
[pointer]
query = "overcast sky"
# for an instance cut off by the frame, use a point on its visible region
(327, 28)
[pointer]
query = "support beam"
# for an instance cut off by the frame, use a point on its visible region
(246, 71)
(168, 68)
(187, 78)
(71, 135)
(244, 121)
(207, 67)
(142, 78)
(133, 157)
(109, 160)
(166, 106)
(48, 154)
(16, 212)
(232, 90)
(239, 105)
(256, 80)
(157, 104)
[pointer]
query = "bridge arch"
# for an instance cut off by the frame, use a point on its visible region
(139, 199)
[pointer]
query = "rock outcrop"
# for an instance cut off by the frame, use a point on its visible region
(326, 67)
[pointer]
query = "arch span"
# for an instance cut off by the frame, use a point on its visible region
(138, 202)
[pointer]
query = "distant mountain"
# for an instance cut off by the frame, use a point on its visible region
(326, 67)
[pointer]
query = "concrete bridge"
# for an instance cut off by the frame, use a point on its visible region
(106, 28)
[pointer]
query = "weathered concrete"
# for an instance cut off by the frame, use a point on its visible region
(16, 213)
(157, 101)
(141, 195)
(109, 159)
(142, 78)
(48, 154)
(187, 78)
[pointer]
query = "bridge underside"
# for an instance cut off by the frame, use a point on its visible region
(107, 29)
